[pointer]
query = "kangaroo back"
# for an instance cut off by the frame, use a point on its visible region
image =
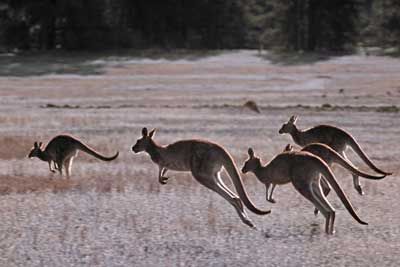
(85, 148)
(322, 151)
(356, 147)
(327, 173)
(231, 168)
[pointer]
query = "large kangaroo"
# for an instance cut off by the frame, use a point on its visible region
(330, 156)
(204, 160)
(338, 139)
(304, 171)
(61, 151)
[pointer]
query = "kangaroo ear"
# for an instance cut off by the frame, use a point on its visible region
(151, 134)
(144, 131)
(40, 144)
(293, 119)
(250, 152)
(35, 144)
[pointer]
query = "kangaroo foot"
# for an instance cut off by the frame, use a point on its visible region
(271, 200)
(250, 223)
(359, 190)
(316, 212)
(163, 180)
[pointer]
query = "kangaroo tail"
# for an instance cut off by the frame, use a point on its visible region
(356, 147)
(231, 168)
(327, 173)
(337, 158)
(90, 151)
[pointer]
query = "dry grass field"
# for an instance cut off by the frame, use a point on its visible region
(117, 214)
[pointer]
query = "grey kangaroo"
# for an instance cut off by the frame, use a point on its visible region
(330, 156)
(60, 152)
(204, 160)
(338, 139)
(304, 171)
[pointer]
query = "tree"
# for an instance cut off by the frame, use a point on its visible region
(313, 24)
(390, 22)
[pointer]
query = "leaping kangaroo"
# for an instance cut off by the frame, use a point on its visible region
(304, 171)
(204, 160)
(61, 151)
(330, 156)
(338, 139)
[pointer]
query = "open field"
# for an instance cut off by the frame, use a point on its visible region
(117, 214)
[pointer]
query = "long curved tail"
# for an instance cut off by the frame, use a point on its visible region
(233, 172)
(91, 151)
(356, 147)
(327, 173)
(337, 158)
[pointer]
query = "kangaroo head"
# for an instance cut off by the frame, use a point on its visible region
(36, 150)
(288, 148)
(289, 126)
(252, 163)
(143, 143)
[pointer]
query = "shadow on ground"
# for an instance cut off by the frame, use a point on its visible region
(34, 64)
(296, 58)
(86, 63)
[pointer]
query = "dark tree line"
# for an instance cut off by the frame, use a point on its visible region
(213, 24)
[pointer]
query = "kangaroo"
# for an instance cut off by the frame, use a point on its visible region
(338, 139)
(61, 151)
(204, 160)
(304, 171)
(330, 156)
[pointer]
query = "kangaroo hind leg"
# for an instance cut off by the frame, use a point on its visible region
(326, 188)
(68, 166)
(312, 191)
(269, 195)
(356, 181)
(322, 203)
(215, 183)
(50, 168)
(241, 211)
(60, 167)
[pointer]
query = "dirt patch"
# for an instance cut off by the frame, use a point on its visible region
(252, 105)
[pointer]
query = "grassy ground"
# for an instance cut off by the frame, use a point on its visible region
(117, 214)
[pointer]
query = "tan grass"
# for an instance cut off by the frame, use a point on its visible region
(28, 184)
(15, 147)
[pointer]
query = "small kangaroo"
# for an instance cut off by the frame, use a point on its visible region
(304, 171)
(338, 139)
(204, 160)
(61, 151)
